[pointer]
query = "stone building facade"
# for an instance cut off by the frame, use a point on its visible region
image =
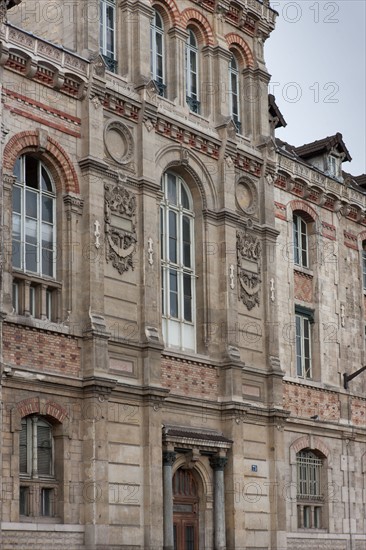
(181, 293)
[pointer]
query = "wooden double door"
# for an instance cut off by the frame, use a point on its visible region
(185, 511)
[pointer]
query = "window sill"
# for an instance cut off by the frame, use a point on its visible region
(34, 322)
(305, 270)
(40, 519)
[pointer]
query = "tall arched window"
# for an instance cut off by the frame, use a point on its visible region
(300, 237)
(157, 52)
(234, 92)
(177, 263)
(192, 72)
(34, 238)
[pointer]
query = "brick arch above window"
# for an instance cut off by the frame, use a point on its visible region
(169, 11)
(304, 210)
(192, 16)
(51, 151)
(312, 443)
(49, 408)
(361, 237)
(233, 39)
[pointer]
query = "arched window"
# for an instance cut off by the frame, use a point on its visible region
(301, 241)
(107, 33)
(177, 263)
(38, 487)
(234, 92)
(157, 52)
(192, 72)
(310, 487)
(34, 238)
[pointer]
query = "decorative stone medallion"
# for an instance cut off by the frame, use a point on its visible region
(118, 142)
(247, 196)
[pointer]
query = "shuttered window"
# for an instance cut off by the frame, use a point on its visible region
(35, 447)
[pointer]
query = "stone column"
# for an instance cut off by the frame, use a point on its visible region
(218, 464)
(168, 461)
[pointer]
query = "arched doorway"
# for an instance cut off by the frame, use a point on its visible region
(185, 510)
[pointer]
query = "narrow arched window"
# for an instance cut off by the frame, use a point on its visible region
(234, 92)
(192, 72)
(107, 33)
(34, 239)
(157, 51)
(177, 263)
(300, 241)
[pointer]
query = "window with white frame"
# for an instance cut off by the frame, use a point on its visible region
(37, 484)
(333, 165)
(192, 72)
(157, 52)
(303, 323)
(33, 238)
(107, 33)
(300, 241)
(177, 263)
(234, 92)
(309, 490)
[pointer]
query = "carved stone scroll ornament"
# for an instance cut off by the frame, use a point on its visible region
(120, 226)
(248, 253)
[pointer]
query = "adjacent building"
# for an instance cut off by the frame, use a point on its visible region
(182, 293)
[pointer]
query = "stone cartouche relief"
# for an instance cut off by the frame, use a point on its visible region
(120, 226)
(248, 253)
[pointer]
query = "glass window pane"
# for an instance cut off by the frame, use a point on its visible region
(16, 254)
(187, 289)
(184, 198)
(16, 199)
(18, 169)
(16, 226)
(31, 258)
(47, 209)
(30, 231)
(173, 294)
(31, 172)
(44, 449)
(45, 180)
(172, 189)
(47, 235)
(48, 262)
(172, 236)
(31, 204)
(186, 242)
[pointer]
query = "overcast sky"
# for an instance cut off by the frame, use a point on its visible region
(317, 59)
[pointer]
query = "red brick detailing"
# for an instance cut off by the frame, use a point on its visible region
(41, 350)
(329, 231)
(45, 108)
(281, 181)
(358, 411)
(170, 7)
(314, 195)
(307, 442)
(361, 237)
(353, 213)
(304, 401)
(305, 208)
(233, 39)
(330, 203)
(30, 141)
(55, 410)
(45, 122)
(28, 406)
(350, 240)
(190, 378)
(303, 286)
(298, 188)
(280, 211)
(192, 15)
